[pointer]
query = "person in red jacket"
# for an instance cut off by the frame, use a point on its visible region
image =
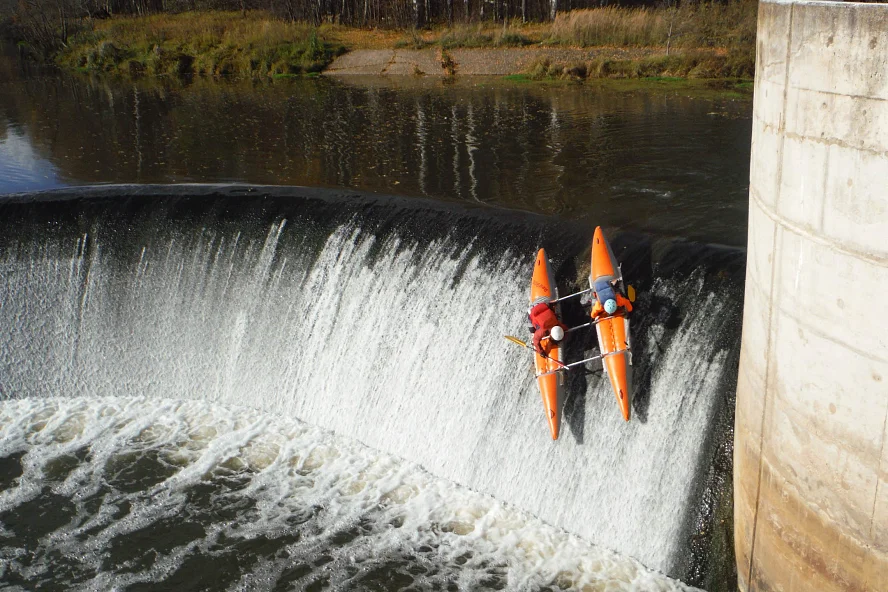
(547, 329)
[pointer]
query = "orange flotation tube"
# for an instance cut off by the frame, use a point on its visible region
(551, 383)
(613, 331)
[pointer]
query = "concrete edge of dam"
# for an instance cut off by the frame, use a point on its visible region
(811, 428)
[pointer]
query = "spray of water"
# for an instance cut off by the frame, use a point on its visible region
(136, 491)
(393, 341)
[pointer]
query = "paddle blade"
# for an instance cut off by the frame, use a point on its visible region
(516, 341)
(630, 292)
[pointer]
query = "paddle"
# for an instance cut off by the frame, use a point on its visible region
(630, 292)
(517, 341)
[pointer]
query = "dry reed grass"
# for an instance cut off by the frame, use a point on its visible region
(611, 26)
(355, 38)
(483, 36)
(708, 24)
(512, 34)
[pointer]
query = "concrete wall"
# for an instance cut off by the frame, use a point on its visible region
(811, 450)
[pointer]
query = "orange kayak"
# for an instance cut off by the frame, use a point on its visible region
(542, 289)
(613, 331)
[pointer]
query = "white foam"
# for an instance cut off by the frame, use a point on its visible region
(291, 467)
(395, 342)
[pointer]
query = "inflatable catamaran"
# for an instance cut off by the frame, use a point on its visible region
(615, 351)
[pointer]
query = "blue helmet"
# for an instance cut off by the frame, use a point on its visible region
(610, 306)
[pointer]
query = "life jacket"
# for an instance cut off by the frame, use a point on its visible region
(604, 293)
(598, 307)
(543, 317)
(624, 302)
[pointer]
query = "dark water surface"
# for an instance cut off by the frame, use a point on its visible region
(656, 158)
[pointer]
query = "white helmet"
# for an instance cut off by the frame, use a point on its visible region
(557, 333)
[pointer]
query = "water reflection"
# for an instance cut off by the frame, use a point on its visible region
(21, 168)
(653, 160)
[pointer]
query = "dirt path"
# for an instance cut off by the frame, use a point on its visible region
(470, 62)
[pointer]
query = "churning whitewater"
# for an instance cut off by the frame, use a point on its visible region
(125, 493)
(380, 324)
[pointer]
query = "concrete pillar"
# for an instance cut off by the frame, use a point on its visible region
(811, 450)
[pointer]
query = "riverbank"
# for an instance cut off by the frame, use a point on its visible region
(542, 63)
(705, 41)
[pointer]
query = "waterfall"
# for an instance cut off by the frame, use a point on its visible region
(383, 321)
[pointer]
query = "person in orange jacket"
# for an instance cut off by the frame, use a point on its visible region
(546, 326)
(608, 301)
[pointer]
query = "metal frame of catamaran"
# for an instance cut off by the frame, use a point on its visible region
(589, 324)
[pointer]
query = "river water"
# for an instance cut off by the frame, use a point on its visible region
(217, 387)
(655, 159)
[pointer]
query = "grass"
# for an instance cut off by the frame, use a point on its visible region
(209, 43)
(473, 35)
(481, 36)
(680, 65)
(488, 34)
(514, 34)
(694, 40)
(611, 26)
(692, 25)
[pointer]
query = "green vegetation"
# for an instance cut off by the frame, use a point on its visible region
(518, 78)
(210, 43)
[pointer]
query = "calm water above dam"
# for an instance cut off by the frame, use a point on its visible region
(659, 159)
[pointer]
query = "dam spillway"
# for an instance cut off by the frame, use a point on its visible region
(360, 315)
(811, 489)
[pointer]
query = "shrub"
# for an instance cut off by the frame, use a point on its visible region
(412, 40)
(511, 38)
(215, 43)
(466, 36)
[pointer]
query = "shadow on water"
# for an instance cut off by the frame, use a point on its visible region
(574, 314)
(10, 469)
(635, 252)
(635, 255)
(655, 308)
